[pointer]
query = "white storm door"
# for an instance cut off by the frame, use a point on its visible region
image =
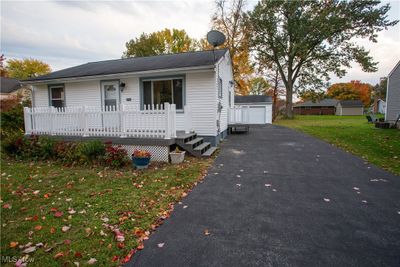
(110, 93)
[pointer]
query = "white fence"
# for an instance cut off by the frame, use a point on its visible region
(154, 121)
(239, 115)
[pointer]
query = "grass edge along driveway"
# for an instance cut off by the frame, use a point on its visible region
(353, 134)
(77, 215)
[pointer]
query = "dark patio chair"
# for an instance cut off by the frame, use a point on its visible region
(369, 119)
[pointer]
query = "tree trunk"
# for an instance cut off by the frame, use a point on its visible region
(289, 101)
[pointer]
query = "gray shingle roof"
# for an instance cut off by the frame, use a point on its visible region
(351, 103)
(239, 99)
(323, 103)
(9, 85)
(137, 64)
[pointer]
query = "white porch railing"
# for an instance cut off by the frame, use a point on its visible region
(154, 121)
(239, 115)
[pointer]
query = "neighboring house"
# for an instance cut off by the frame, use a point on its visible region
(150, 102)
(381, 106)
(323, 107)
(393, 94)
(257, 109)
(349, 107)
(10, 88)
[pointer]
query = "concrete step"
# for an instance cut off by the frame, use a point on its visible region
(194, 141)
(210, 151)
(201, 148)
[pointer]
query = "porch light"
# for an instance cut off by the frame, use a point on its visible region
(122, 86)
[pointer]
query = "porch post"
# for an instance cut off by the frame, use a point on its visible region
(167, 110)
(27, 120)
(85, 122)
(173, 121)
(122, 121)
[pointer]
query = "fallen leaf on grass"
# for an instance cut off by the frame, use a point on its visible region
(59, 255)
(58, 214)
(78, 254)
(38, 227)
(36, 192)
(67, 241)
(29, 250)
(46, 195)
(115, 258)
(65, 228)
(140, 247)
(7, 206)
(91, 261)
(13, 244)
(52, 230)
(71, 211)
(121, 245)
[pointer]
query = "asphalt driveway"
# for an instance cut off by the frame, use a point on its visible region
(277, 197)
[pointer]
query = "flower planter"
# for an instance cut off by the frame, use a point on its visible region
(177, 157)
(140, 163)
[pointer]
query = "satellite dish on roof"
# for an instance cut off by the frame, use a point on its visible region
(215, 38)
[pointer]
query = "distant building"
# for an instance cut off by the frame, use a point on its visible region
(349, 107)
(11, 88)
(323, 107)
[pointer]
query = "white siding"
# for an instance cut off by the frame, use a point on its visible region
(393, 95)
(131, 91)
(224, 71)
(41, 96)
(85, 93)
(201, 95)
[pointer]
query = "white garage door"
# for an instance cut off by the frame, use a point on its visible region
(257, 114)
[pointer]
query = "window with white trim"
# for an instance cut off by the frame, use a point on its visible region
(160, 91)
(57, 96)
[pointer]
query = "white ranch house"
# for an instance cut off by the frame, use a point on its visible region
(146, 102)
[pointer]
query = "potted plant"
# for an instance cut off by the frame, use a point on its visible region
(141, 159)
(177, 156)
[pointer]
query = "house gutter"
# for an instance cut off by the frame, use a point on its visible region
(119, 75)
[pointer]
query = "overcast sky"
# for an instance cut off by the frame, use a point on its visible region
(69, 33)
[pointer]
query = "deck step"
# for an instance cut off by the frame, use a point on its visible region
(185, 135)
(210, 151)
(202, 146)
(194, 141)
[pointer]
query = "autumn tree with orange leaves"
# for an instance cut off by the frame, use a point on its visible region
(351, 91)
(229, 18)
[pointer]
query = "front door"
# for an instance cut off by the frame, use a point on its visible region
(110, 91)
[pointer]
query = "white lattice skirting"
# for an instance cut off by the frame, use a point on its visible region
(158, 153)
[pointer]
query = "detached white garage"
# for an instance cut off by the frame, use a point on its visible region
(256, 109)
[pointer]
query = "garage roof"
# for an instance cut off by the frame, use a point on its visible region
(137, 64)
(242, 99)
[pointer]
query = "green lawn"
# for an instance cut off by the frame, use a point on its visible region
(352, 133)
(39, 199)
